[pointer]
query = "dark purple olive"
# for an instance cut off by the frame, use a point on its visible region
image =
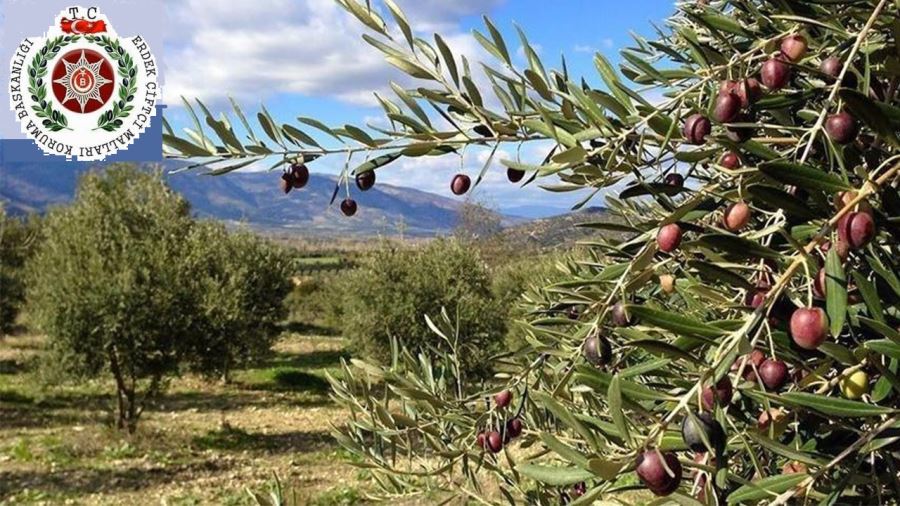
(300, 174)
(503, 398)
(856, 229)
(348, 207)
(460, 184)
(748, 91)
(841, 127)
(514, 175)
(365, 180)
(674, 179)
(773, 373)
(494, 441)
(775, 74)
(720, 395)
(819, 283)
(755, 297)
(728, 105)
(620, 315)
(651, 467)
(728, 86)
(597, 350)
(578, 490)
(831, 67)
(696, 128)
(513, 428)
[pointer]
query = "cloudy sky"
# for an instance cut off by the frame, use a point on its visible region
(306, 57)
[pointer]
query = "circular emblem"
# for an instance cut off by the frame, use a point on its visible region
(83, 81)
(81, 91)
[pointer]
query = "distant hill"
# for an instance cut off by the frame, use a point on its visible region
(254, 198)
(558, 231)
(535, 211)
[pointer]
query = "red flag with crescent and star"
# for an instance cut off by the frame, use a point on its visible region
(82, 26)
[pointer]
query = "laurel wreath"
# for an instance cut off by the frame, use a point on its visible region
(53, 120)
(112, 119)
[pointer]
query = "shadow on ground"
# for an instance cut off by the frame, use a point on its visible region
(236, 439)
(22, 411)
(8, 366)
(289, 372)
(319, 359)
(309, 329)
(90, 481)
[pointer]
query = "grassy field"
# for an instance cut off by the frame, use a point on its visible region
(199, 443)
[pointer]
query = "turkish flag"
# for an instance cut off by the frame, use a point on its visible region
(82, 26)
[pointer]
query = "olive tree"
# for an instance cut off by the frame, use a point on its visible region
(126, 282)
(107, 285)
(736, 341)
(389, 296)
(243, 284)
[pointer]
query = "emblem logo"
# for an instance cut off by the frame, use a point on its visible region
(81, 91)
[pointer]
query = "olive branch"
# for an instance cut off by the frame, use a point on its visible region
(53, 120)
(112, 119)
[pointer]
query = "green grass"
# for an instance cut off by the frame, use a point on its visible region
(338, 496)
(281, 378)
(30, 496)
(119, 451)
(296, 372)
(21, 450)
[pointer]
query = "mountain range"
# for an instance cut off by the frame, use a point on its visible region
(254, 198)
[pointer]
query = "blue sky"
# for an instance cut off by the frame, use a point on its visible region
(305, 57)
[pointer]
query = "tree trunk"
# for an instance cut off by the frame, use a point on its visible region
(127, 416)
(226, 377)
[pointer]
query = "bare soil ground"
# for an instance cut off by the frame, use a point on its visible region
(201, 442)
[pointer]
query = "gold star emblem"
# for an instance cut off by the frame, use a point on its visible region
(82, 81)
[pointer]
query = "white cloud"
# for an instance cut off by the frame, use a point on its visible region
(311, 47)
(605, 44)
(439, 15)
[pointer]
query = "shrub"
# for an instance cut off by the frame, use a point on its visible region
(243, 281)
(17, 240)
(395, 288)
